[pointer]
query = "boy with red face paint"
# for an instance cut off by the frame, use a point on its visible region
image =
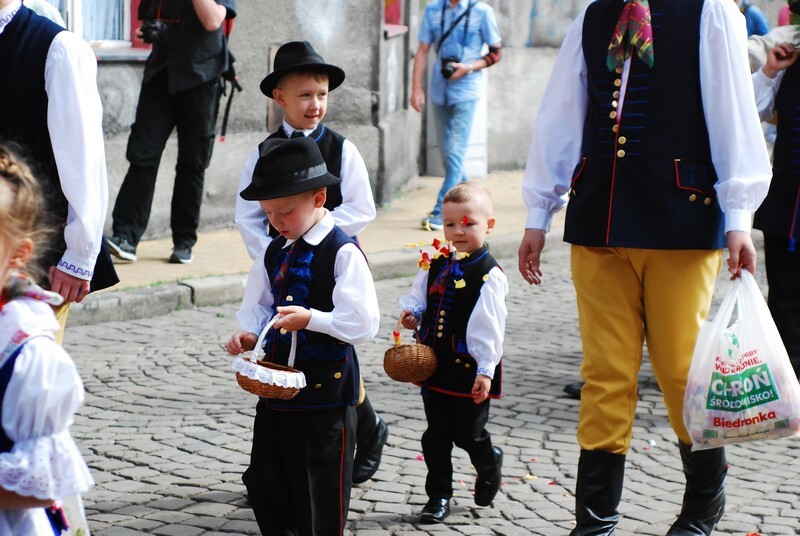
(459, 304)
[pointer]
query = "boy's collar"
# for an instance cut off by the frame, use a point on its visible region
(317, 232)
(289, 130)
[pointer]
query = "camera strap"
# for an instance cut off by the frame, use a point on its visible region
(455, 23)
(228, 76)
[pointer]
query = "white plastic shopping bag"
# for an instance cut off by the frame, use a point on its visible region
(741, 385)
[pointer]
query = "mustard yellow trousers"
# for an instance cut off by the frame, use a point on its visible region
(626, 297)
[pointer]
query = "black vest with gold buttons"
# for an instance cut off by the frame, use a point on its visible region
(451, 299)
(330, 365)
(645, 179)
(779, 214)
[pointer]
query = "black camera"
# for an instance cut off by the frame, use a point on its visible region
(157, 17)
(448, 67)
(153, 30)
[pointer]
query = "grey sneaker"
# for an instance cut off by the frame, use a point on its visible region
(181, 256)
(121, 248)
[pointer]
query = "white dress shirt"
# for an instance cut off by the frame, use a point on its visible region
(766, 89)
(75, 122)
(355, 316)
(487, 322)
(352, 216)
(737, 144)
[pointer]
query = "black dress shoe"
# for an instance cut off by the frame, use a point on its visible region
(435, 511)
(574, 390)
(368, 456)
(487, 486)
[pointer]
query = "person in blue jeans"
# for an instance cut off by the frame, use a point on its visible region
(458, 30)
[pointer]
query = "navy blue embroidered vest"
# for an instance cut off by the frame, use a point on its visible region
(330, 145)
(444, 324)
(330, 365)
(779, 214)
(647, 182)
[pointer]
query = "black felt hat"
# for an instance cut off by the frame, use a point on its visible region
(287, 167)
(296, 56)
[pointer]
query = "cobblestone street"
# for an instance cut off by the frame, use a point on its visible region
(166, 432)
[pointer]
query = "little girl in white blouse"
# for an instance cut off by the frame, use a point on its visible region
(40, 389)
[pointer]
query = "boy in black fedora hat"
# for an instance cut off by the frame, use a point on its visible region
(300, 83)
(316, 278)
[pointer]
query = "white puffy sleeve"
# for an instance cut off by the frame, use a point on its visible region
(416, 301)
(39, 406)
(487, 323)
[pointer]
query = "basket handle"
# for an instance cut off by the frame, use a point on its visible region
(416, 331)
(263, 334)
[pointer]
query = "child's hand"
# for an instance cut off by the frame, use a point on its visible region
(293, 318)
(408, 320)
(240, 342)
(480, 389)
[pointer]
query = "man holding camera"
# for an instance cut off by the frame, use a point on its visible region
(181, 89)
(458, 29)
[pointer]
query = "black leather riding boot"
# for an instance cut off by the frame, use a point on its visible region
(704, 498)
(598, 492)
(371, 436)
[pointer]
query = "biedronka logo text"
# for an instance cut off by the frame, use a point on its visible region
(740, 384)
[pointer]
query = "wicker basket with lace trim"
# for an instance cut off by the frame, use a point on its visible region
(265, 379)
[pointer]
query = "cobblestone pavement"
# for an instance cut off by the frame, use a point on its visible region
(166, 432)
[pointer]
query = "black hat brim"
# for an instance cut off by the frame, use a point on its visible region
(335, 75)
(260, 193)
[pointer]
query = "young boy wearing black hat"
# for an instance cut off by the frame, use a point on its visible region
(299, 83)
(316, 278)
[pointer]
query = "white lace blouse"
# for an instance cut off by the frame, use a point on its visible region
(39, 405)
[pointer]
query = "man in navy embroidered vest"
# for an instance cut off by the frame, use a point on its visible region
(662, 169)
(317, 279)
(52, 110)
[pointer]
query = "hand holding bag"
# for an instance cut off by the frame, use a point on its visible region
(741, 385)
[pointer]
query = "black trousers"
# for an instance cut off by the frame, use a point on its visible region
(300, 472)
(194, 113)
(454, 420)
(783, 277)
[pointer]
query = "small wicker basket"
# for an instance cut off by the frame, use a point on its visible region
(409, 362)
(269, 380)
